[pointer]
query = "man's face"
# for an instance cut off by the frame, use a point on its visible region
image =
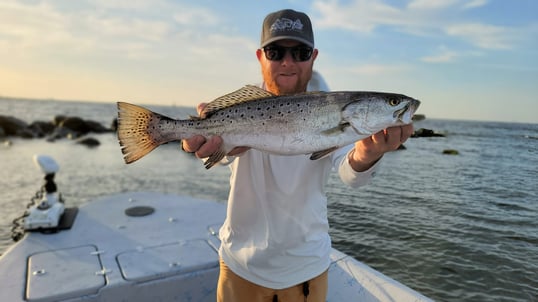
(286, 76)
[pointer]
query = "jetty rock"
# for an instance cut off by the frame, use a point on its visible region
(114, 125)
(73, 127)
(60, 127)
(41, 128)
(451, 152)
(90, 142)
(419, 117)
(12, 126)
(422, 132)
(82, 126)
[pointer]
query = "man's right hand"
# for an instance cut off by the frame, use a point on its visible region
(203, 147)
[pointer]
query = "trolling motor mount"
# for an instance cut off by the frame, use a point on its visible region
(48, 206)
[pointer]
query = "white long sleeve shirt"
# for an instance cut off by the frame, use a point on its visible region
(276, 230)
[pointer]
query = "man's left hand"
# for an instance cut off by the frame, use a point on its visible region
(369, 150)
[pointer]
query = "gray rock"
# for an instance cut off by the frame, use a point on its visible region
(12, 125)
(88, 142)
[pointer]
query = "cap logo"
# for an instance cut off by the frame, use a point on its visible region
(286, 24)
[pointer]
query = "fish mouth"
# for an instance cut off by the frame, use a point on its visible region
(405, 114)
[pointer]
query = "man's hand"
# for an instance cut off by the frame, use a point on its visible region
(369, 150)
(203, 147)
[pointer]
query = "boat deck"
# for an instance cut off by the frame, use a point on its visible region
(151, 247)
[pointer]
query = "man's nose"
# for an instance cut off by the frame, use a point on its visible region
(288, 58)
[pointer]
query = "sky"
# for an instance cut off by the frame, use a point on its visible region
(463, 59)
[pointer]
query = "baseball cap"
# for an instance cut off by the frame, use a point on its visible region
(287, 24)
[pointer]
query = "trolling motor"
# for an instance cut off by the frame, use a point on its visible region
(46, 211)
(47, 207)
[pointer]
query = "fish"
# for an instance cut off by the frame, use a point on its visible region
(315, 123)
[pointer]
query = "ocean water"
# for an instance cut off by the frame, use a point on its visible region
(453, 227)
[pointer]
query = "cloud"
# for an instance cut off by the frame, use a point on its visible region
(447, 55)
(484, 36)
(444, 4)
(130, 5)
(419, 18)
(38, 30)
(360, 15)
(475, 3)
(23, 25)
(443, 57)
(196, 17)
(365, 16)
(118, 28)
(429, 4)
(125, 27)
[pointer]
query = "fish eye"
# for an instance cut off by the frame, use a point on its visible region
(394, 102)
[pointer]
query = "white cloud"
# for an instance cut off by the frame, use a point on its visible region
(360, 15)
(116, 28)
(196, 17)
(38, 32)
(447, 55)
(128, 28)
(475, 3)
(131, 5)
(484, 36)
(443, 57)
(25, 25)
(431, 4)
(420, 18)
(444, 4)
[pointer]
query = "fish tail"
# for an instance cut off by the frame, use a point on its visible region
(133, 135)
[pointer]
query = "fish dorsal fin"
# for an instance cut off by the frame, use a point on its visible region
(245, 94)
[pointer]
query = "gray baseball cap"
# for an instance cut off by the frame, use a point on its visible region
(287, 24)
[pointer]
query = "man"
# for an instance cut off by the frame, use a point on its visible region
(275, 244)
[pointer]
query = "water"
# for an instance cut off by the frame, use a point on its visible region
(454, 227)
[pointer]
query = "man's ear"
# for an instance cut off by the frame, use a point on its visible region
(259, 53)
(314, 54)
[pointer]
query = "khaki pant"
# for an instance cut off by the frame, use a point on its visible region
(232, 288)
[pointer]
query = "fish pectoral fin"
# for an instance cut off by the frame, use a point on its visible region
(336, 130)
(320, 154)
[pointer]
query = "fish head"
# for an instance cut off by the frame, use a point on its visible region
(375, 111)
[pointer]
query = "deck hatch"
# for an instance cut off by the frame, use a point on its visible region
(165, 260)
(63, 274)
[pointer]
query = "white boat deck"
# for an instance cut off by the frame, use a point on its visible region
(167, 255)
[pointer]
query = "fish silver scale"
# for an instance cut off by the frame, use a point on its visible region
(287, 125)
(261, 125)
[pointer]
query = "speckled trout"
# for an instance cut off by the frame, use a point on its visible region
(315, 123)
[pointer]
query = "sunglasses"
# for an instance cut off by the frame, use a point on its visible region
(299, 53)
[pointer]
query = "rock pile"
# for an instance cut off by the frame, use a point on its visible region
(71, 127)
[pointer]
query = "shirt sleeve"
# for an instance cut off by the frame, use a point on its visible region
(349, 176)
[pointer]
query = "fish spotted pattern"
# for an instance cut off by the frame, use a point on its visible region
(314, 123)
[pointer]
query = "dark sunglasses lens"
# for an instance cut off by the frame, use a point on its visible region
(301, 54)
(274, 53)
(298, 53)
